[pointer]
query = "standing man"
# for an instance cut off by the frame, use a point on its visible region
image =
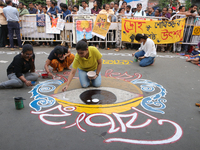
(52, 10)
(157, 12)
(150, 12)
(84, 9)
(116, 8)
(139, 11)
(65, 11)
(12, 16)
(124, 4)
(40, 9)
(112, 5)
(32, 10)
(165, 13)
(22, 10)
(128, 10)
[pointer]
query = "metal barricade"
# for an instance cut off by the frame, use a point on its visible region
(70, 30)
(32, 33)
(188, 38)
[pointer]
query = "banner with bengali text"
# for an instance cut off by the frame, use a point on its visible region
(161, 32)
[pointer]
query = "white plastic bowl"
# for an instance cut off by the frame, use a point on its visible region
(91, 74)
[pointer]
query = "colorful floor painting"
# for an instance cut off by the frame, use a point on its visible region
(113, 105)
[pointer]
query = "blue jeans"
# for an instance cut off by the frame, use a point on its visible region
(188, 34)
(85, 81)
(146, 61)
(15, 82)
(14, 26)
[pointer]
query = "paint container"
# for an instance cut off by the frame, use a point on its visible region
(33, 82)
(135, 59)
(91, 74)
(44, 75)
(19, 102)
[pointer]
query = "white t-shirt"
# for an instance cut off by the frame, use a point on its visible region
(128, 14)
(139, 13)
(149, 48)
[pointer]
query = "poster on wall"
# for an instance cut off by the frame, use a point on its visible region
(101, 26)
(51, 25)
(40, 19)
(82, 28)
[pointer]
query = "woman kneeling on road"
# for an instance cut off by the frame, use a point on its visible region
(21, 70)
(147, 51)
(86, 59)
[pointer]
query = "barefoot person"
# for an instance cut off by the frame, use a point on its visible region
(59, 59)
(195, 59)
(147, 51)
(86, 59)
(21, 70)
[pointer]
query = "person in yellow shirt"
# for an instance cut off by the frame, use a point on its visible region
(86, 59)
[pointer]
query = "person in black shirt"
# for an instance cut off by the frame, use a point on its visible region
(59, 59)
(21, 70)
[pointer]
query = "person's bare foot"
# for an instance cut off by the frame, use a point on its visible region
(117, 49)
(188, 60)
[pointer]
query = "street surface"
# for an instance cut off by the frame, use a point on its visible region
(149, 108)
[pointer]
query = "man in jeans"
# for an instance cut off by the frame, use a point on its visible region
(12, 16)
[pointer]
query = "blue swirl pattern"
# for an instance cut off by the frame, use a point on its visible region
(43, 101)
(156, 99)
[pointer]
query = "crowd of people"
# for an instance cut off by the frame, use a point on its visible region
(9, 21)
(10, 13)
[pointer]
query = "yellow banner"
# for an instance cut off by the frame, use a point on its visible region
(101, 26)
(196, 30)
(161, 32)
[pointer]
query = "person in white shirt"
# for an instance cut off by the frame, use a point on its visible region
(112, 5)
(128, 10)
(84, 9)
(147, 51)
(139, 11)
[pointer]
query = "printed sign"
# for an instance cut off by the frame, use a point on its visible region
(40, 20)
(161, 32)
(196, 30)
(101, 26)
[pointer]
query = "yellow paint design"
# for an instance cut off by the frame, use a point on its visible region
(104, 108)
(117, 62)
(107, 108)
(196, 30)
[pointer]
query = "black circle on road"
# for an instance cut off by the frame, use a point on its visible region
(98, 97)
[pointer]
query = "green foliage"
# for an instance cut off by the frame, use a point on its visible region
(188, 4)
(43, 2)
(163, 3)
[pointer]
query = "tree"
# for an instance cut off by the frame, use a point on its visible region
(165, 3)
(43, 2)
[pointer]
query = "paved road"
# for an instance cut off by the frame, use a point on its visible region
(146, 108)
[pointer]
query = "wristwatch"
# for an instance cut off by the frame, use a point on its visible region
(97, 75)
